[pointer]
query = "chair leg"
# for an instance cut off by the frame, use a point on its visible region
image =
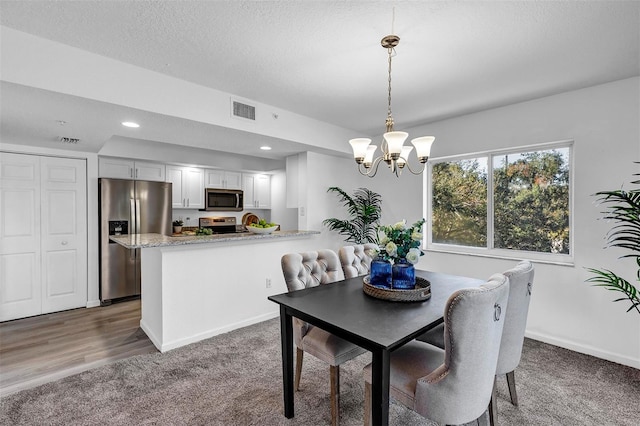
(493, 406)
(367, 403)
(511, 381)
(334, 373)
(299, 356)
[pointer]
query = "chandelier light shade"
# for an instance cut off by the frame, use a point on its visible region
(394, 153)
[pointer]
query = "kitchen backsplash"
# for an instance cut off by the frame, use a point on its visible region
(190, 217)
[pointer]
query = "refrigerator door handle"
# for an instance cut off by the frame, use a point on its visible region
(138, 214)
(132, 216)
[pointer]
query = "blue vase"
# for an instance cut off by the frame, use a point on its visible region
(404, 275)
(380, 274)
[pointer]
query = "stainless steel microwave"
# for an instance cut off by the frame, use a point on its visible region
(228, 200)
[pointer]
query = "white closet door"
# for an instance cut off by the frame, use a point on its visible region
(64, 233)
(20, 276)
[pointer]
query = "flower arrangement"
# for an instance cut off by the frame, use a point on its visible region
(399, 241)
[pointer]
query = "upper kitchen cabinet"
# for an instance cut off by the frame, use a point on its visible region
(222, 179)
(188, 187)
(257, 191)
(121, 168)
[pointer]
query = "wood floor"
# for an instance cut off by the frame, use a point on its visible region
(40, 349)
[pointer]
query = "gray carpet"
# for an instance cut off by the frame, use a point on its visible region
(236, 379)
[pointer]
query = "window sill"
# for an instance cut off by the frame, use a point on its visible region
(546, 258)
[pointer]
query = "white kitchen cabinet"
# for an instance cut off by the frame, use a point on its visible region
(257, 191)
(187, 187)
(43, 241)
(222, 179)
(149, 171)
(122, 168)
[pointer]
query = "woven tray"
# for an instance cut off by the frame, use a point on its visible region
(420, 293)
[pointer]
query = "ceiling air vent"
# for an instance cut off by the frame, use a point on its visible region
(69, 140)
(243, 110)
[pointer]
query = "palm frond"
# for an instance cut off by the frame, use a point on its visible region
(612, 282)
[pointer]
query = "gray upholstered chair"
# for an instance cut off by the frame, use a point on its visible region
(355, 259)
(520, 285)
(310, 269)
(452, 386)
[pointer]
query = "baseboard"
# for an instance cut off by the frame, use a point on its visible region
(93, 303)
(154, 339)
(210, 333)
(585, 349)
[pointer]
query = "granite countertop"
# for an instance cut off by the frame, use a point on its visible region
(134, 241)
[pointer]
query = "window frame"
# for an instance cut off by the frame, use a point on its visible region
(490, 250)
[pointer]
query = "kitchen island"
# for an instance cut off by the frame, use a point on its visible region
(195, 287)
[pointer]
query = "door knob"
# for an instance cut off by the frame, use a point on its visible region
(64, 243)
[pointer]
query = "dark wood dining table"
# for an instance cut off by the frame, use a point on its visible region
(379, 326)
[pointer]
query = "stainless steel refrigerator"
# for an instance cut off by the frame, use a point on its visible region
(128, 207)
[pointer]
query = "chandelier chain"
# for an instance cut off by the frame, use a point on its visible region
(389, 122)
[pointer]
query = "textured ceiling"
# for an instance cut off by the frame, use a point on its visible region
(323, 59)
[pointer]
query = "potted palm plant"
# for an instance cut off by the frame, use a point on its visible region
(364, 208)
(623, 208)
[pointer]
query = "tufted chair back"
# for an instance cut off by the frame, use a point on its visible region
(310, 269)
(355, 260)
(460, 389)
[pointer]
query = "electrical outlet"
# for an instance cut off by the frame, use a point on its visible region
(268, 282)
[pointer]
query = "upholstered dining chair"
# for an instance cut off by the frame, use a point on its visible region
(310, 269)
(452, 386)
(520, 286)
(355, 259)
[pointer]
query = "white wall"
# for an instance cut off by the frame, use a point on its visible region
(603, 121)
(401, 197)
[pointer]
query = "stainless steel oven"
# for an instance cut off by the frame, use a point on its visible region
(229, 200)
(220, 225)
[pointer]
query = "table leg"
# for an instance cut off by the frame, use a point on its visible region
(380, 387)
(286, 336)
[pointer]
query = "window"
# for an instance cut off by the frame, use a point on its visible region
(516, 200)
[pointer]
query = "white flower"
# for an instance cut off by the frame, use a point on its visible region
(400, 225)
(373, 252)
(382, 237)
(413, 256)
(416, 236)
(391, 248)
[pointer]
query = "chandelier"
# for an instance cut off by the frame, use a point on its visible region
(394, 153)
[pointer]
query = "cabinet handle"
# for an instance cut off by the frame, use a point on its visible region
(131, 172)
(136, 173)
(188, 203)
(64, 243)
(184, 202)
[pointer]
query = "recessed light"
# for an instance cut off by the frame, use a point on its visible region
(130, 124)
(265, 148)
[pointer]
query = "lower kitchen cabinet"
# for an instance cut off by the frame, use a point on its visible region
(43, 237)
